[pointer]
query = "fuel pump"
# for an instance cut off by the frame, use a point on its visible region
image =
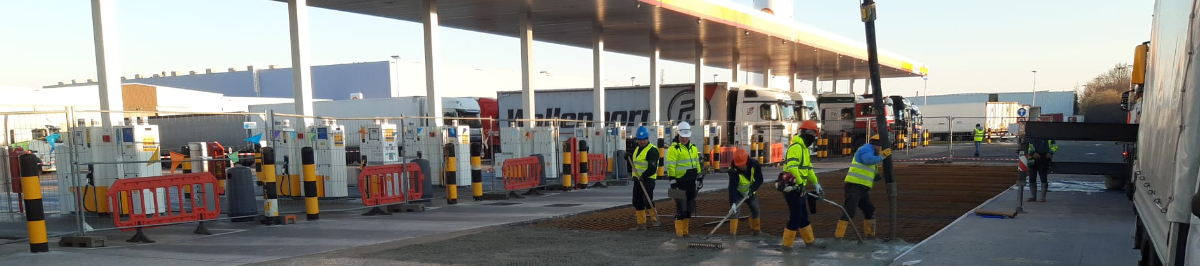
(379, 143)
(329, 151)
(288, 142)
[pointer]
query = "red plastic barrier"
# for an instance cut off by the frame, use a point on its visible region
(597, 168)
(140, 205)
(777, 152)
(14, 173)
(727, 157)
(381, 184)
(522, 173)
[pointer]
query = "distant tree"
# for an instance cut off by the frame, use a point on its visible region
(1100, 101)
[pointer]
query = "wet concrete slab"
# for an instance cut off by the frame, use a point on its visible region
(1072, 228)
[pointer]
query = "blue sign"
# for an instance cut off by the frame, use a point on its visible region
(1021, 112)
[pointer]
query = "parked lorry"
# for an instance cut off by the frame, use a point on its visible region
(730, 105)
(995, 117)
(1164, 176)
(837, 112)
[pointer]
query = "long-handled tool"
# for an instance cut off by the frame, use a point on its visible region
(648, 201)
(714, 244)
(839, 206)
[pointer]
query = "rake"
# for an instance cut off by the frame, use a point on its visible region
(706, 244)
(852, 226)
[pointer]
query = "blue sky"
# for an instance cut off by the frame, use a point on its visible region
(970, 46)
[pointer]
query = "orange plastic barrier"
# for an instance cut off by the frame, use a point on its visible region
(141, 206)
(390, 184)
(597, 168)
(777, 152)
(522, 173)
(727, 157)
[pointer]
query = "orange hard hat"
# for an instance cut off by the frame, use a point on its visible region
(740, 157)
(810, 125)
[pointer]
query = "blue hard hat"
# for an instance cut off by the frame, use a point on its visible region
(642, 133)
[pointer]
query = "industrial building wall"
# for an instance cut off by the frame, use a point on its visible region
(1051, 101)
(336, 82)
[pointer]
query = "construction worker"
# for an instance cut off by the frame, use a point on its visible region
(859, 180)
(797, 174)
(1041, 153)
(683, 166)
(979, 134)
(744, 181)
(645, 173)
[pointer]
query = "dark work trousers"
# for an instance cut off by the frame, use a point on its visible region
(797, 211)
(1040, 168)
(640, 198)
(685, 208)
(858, 197)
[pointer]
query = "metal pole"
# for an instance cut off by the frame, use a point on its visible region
(868, 18)
(950, 128)
(1034, 90)
(926, 79)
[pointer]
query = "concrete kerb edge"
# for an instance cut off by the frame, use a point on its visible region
(960, 218)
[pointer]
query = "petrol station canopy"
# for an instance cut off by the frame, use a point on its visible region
(760, 38)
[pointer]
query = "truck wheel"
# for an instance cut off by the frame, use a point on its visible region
(1114, 183)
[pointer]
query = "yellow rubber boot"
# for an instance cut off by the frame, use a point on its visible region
(756, 226)
(869, 228)
(810, 240)
(841, 229)
(789, 238)
(733, 224)
(686, 227)
(679, 227)
(641, 221)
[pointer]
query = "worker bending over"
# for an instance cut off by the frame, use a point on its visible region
(1041, 153)
(683, 165)
(645, 172)
(859, 180)
(797, 174)
(744, 181)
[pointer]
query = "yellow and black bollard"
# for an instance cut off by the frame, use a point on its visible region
(35, 215)
(451, 175)
(583, 164)
(187, 168)
(311, 207)
(567, 160)
(271, 191)
(477, 171)
(758, 147)
(662, 157)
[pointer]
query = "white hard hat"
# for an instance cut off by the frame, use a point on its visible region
(685, 130)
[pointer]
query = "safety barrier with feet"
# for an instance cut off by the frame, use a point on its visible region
(158, 201)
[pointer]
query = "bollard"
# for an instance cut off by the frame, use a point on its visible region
(451, 176)
(35, 215)
(311, 207)
(662, 157)
(477, 171)
(270, 190)
(583, 164)
(187, 167)
(759, 147)
(567, 159)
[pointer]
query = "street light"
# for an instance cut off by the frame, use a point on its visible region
(714, 77)
(1034, 90)
(631, 81)
(396, 75)
(926, 90)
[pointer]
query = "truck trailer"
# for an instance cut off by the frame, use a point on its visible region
(1164, 175)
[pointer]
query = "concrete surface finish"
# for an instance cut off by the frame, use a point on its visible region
(241, 243)
(1072, 228)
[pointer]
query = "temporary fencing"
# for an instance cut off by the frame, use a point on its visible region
(382, 185)
(157, 201)
(522, 173)
(597, 168)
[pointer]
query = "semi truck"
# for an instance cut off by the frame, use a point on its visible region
(837, 111)
(995, 117)
(1164, 172)
(731, 105)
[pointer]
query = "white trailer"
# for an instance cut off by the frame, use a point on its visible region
(732, 105)
(1165, 170)
(996, 117)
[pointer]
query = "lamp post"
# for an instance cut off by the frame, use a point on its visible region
(631, 81)
(395, 76)
(926, 90)
(1034, 90)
